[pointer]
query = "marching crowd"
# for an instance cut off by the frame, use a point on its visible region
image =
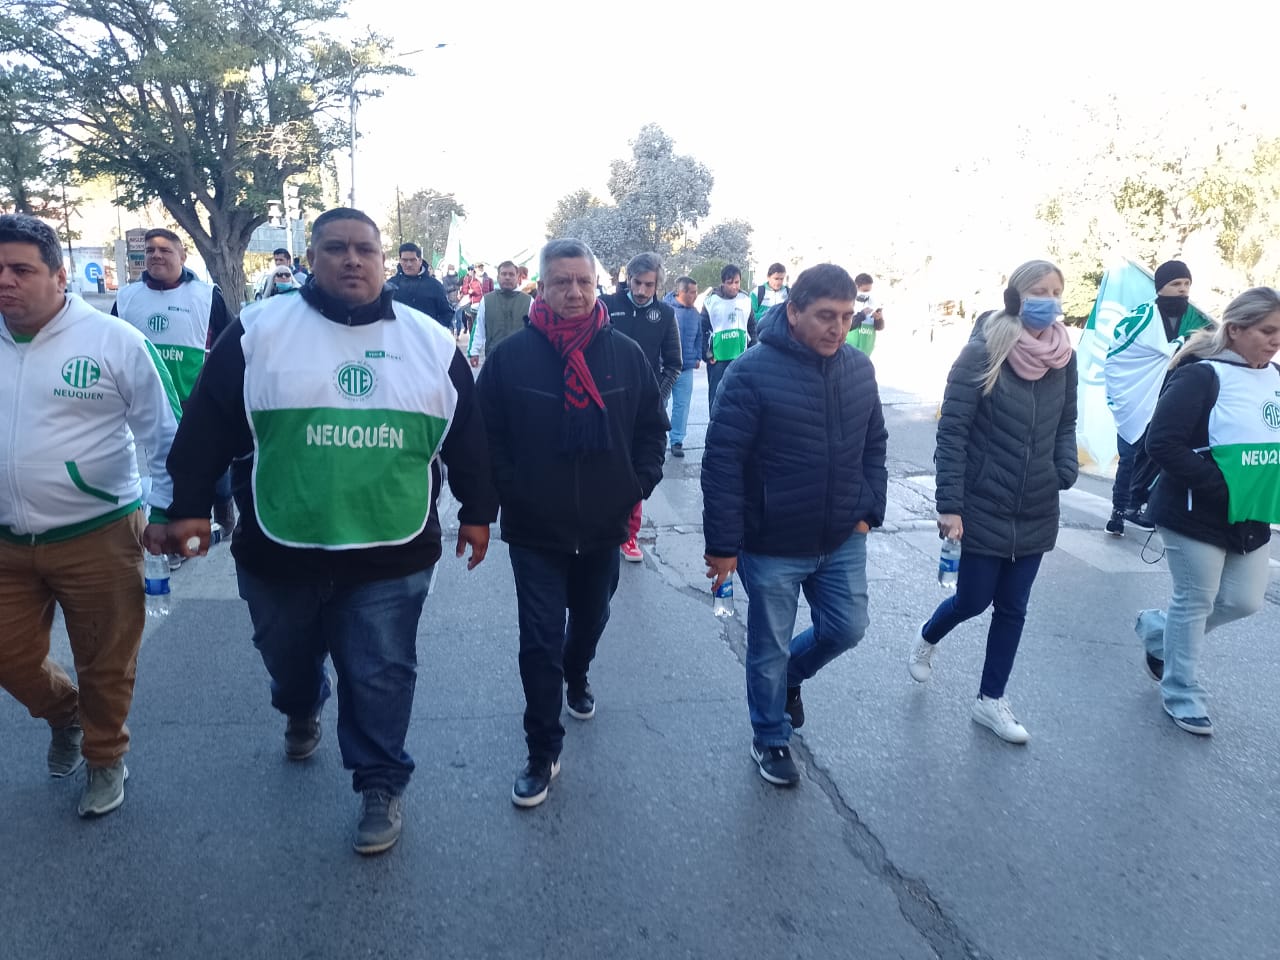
(323, 421)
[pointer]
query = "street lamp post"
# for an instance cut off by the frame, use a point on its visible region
(353, 103)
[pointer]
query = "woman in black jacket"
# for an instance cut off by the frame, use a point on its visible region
(1215, 435)
(1006, 446)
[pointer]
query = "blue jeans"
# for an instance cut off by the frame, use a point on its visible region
(1124, 474)
(681, 394)
(1210, 587)
(556, 649)
(370, 630)
(982, 582)
(835, 585)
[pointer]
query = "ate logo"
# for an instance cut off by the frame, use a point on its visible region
(1271, 414)
(157, 323)
(354, 380)
(654, 315)
(81, 372)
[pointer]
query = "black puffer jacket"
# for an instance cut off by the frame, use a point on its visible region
(795, 453)
(1190, 496)
(553, 500)
(1002, 458)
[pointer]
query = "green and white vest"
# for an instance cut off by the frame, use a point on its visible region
(728, 325)
(1244, 440)
(346, 421)
(176, 321)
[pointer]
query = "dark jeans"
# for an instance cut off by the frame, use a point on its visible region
(715, 373)
(553, 652)
(982, 581)
(370, 630)
(1124, 474)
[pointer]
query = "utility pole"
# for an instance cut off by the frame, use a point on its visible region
(351, 197)
(399, 224)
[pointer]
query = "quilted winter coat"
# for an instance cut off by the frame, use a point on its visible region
(1002, 458)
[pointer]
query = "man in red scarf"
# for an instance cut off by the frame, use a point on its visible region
(577, 434)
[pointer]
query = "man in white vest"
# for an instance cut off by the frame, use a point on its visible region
(182, 316)
(339, 403)
(80, 389)
(728, 328)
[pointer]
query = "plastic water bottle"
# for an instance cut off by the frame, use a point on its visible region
(949, 564)
(156, 573)
(722, 606)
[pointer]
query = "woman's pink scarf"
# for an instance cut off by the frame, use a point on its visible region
(1032, 357)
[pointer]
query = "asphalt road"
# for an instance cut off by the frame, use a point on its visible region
(914, 833)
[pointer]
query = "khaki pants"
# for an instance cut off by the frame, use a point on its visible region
(97, 580)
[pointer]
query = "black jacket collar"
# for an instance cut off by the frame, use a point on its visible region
(337, 311)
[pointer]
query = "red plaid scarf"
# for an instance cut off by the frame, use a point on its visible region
(582, 427)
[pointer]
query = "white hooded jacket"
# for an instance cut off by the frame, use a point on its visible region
(75, 399)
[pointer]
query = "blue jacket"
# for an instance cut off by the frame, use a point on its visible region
(690, 322)
(795, 453)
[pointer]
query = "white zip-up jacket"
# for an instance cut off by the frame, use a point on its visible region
(74, 400)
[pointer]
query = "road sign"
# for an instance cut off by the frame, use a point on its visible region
(93, 272)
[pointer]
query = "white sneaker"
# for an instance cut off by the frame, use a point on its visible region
(997, 716)
(920, 664)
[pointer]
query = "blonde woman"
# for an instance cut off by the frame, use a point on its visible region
(1215, 435)
(1006, 446)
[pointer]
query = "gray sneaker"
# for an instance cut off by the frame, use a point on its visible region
(103, 789)
(380, 822)
(64, 750)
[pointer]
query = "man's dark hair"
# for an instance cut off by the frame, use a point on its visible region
(509, 263)
(684, 283)
(341, 213)
(776, 268)
(824, 280)
(729, 272)
(411, 248)
(164, 235)
(23, 228)
(863, 279)
(281, 252)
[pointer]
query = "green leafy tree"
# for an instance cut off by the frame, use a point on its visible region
(570, 208)
(658, 197)
(28, 180)
(728, 242)
(422, 218)
(207, 106)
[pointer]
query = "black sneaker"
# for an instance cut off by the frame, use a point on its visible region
(1115, 526)
(302, 736)
(1155, 667)
(379, 826)
(795, 708)
(580, 702)
(1140, 519)
(677, 449)
(775, 765)
(534, 780)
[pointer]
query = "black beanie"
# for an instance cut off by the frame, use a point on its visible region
(1171, 270)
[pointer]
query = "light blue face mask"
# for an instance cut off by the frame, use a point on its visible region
(283, 287)
(1039, 313)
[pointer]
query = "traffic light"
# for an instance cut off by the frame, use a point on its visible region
(292, 201)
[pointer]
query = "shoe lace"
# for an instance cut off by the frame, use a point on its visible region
(376, 802)
(1005, 713)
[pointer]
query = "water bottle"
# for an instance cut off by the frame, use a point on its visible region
(156, 573)
(722, 606)
(949, 564)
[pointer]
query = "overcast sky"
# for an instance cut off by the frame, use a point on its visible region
(826, 126)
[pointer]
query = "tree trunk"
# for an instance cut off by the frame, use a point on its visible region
(226, 265)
